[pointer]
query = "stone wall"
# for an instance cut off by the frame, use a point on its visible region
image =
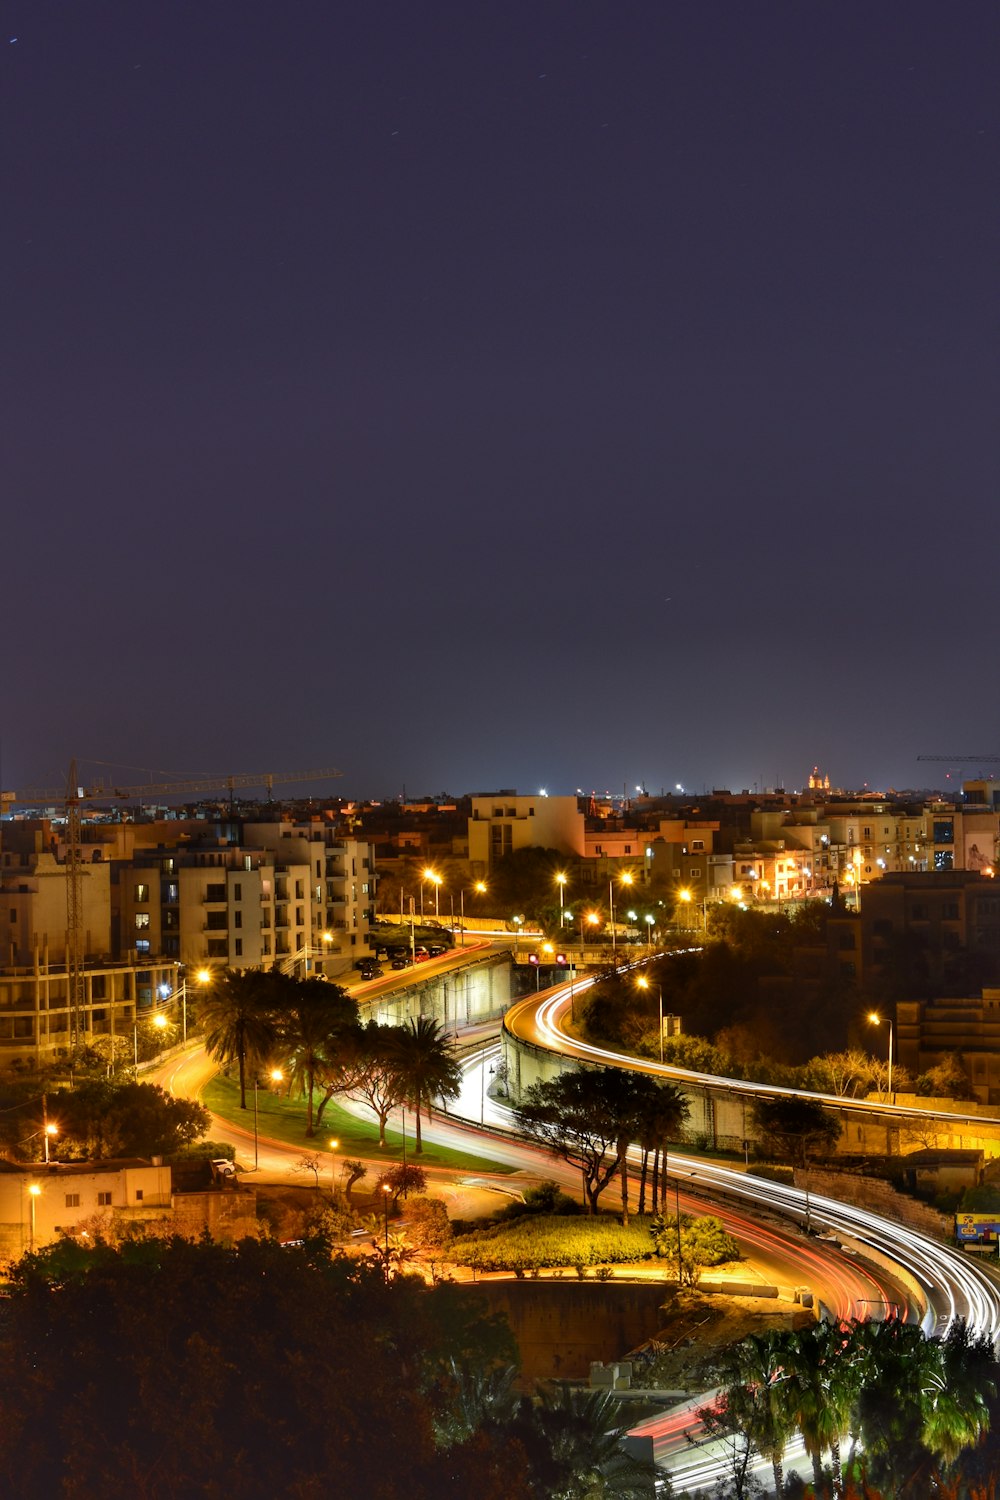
(879, 1197)
(562, 1326)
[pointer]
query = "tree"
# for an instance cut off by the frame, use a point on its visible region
(661, 1110)
(267, 1393)
(237, 1022)
(821, 1392)
(576, 1115)
(101, 1119)
(311, 1018)
(701, 1242)
(425, 1062)
(366, 1070)
(757, 1398)
(796, 1127)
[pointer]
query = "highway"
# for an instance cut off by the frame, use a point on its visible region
(882, 1269)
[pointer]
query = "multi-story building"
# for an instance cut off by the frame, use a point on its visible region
(503, 822)
(181, 893)
(930, 1031)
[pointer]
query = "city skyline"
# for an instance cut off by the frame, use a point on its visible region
(508, 397)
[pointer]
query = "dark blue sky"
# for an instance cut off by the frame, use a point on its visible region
(523, 394)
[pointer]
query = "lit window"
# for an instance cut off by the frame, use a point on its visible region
(141, 920)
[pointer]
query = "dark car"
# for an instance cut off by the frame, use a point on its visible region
(436, 949)
(372, 971)
(400, 961)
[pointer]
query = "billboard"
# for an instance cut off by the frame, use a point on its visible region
(976, 1227)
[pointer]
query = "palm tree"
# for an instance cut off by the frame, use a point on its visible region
(426, 1065)
(583, 1433)
(237, 1021)
(821, 1390)
(663, 1110)
(757, 1398)
(312, 1018)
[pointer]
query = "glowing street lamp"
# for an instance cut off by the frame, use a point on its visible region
(387, 1190)
(333, 1166)
(34, 1190)
(275, 1076)
(857, 859)
(643, 984)
(480, 890)
(876, 1020)
(436, 880)
(650, 921)
(561, 880)
(626, 879)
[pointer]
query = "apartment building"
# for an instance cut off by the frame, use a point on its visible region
(503, 822)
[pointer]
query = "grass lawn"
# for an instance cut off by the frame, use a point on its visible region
(284, 1119)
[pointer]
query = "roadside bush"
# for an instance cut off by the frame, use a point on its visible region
(547, 1242)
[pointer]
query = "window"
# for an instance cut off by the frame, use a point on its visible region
(104, 1200)
(697, 845)
(237, 919)
(217, 921)
(141, 920)
(944, 859)
(238, 948)
(13, 914)
(171, 893)
(142, 945)
(138, 1195)
(695, 874)
(72, 1200)
(141, 894)
(237, 891)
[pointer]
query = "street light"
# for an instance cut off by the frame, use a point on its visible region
(650, 921)
(857, 859)
(626, 879)
(436, 880)
(275, 1076)
(561, 880)
(387, 1190)
(333, 1166)
(643, 984)
(876, 1020)
(34, 1189)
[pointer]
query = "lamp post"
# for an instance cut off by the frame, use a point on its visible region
(677, 1206)
(387, 1191)
(643, 984)
(857, 860)
(876, 1020)
(480, 890)
(626, 879)
(34, 1189)
(333, 1166)
(276, 1075)
(561, 880)
(650, 921)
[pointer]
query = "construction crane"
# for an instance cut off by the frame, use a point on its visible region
(963, 760)
(70, 797)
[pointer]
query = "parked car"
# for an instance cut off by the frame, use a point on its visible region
(420, 955)
(372, 971)
(436, 949)
(400, 961)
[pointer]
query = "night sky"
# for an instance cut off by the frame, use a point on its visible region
(499, 394)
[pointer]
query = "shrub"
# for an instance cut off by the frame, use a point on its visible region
(547, 1242)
